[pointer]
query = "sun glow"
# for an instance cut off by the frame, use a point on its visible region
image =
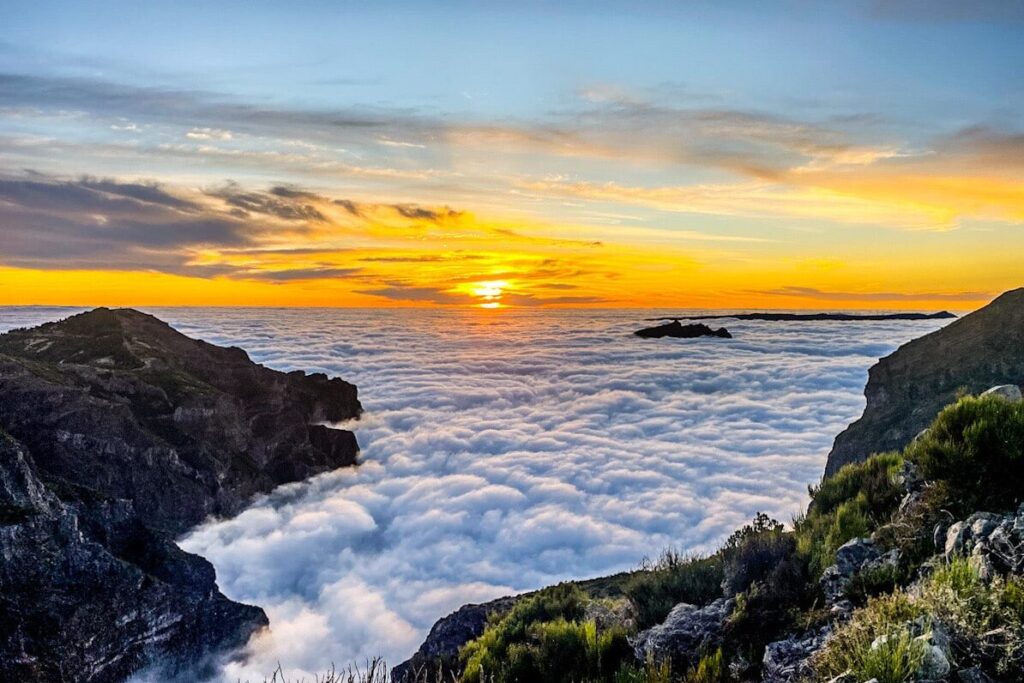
(490, 291)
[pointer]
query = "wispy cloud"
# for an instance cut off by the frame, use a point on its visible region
(817, 294)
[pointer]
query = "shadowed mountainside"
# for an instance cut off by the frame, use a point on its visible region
(116, 434)
(908, 388)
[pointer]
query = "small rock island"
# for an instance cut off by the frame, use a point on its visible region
(679, 331)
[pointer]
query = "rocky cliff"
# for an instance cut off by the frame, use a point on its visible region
(906, 389)
(116, 434)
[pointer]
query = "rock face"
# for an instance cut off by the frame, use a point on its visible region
(687, 632)
(440, 649)
(995, 543)
(116, 434)
(908, 388)
(788, 661)
(680, 331)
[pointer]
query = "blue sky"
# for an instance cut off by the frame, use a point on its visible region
(741, 141)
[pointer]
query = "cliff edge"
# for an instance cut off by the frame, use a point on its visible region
(117, 433)
(908, 388)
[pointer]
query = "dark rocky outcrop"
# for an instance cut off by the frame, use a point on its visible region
(116, 434)
(440, 649)
(908, 388)
(680, 331)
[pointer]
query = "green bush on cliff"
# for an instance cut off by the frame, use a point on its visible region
(875, 643)
(857, 500)
(546, 638)
(976, 446)
(673, 579)
(985, 620)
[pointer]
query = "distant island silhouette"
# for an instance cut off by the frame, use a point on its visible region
(941, 315)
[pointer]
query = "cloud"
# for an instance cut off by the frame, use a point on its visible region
(421, 213)
(812, 293)
(268, 203)
(104, 224)
(400, 292)
(504, 454)
(294, 274)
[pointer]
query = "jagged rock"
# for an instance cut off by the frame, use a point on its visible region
(680, 331)
(907, 389)
(116, 434)
(995, 543)
(1011, 392)
(441, 647)
(935, 664)
(687, 631)
(608, 614)
(89, 594)
(788, 661)
(973, 675)
(853, 557)
(186, 429)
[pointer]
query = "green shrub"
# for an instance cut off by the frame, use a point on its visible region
(976, 446)
(753, 552)
(893, 661)
(857, 500)
(770, 581)
(675, 578)
(544, 638)
(649, 673)
(710, 668)
(875, 581)
(986, 621)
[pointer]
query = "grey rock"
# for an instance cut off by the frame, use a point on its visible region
(853, 557)
(687, 631)
(934, 665)
(787, 661)
(440, 649)
(973, 675)
(1010, 392)
(995, 543)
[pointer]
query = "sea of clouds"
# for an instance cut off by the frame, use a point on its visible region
(504, 451)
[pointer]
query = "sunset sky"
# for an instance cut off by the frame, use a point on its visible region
(784, 155)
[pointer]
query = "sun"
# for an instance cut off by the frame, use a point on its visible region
(490, 291)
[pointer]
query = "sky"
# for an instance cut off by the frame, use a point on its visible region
(851, 154)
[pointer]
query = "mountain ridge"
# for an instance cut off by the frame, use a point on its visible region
(117, 433)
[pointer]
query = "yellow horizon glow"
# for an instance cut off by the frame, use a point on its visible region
(385, 257)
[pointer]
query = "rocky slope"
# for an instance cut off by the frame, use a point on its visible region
(906, 389)
(116, 434)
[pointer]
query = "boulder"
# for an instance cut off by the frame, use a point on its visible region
(788, 661)
(687, 632)
(1010, 392)
(854, 556)
(994, 543)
